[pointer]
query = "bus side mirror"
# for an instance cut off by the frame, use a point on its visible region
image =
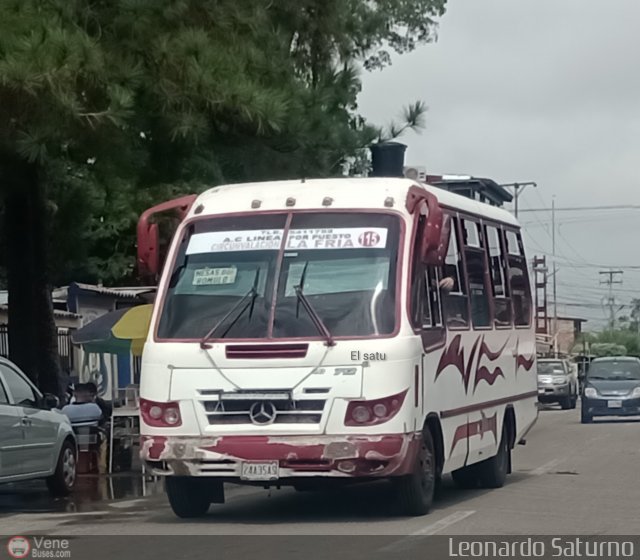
(435, 236)
(435, 240)
(149, 236)
(148, 251)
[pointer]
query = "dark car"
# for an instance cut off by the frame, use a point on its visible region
(611, 388)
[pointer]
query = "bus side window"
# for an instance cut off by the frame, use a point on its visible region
(498, 273)
(476, 274)
(518, 279)
(455, 301)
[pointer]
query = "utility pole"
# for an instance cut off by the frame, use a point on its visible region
(610, 281)
(540, 271)
(555, 279)
(517, 191)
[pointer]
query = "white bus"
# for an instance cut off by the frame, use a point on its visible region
(332, 331)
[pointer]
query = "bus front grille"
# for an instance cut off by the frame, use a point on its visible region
(264, 412)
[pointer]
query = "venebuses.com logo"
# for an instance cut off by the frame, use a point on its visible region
(38, 547)
(18, 547)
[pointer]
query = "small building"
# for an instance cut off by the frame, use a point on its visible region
(482, 190)
(111, 372)
(568, 331)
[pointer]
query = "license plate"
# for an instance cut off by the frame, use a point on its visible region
(260, 471)
(614, 404)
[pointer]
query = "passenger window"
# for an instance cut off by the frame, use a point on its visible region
(471, 234)
(519, 286)
(455, 301)
(497, 269)
(476, 269)
(513, 244)
(23, 394)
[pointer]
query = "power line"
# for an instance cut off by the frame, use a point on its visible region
(583, 208)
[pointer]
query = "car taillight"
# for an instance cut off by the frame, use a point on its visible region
(160, 415)
(370, 413)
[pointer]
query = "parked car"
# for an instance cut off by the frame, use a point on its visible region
(557, 382)
(611, 388)
(36, 439)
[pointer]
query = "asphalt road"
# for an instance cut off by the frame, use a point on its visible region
(569, 479)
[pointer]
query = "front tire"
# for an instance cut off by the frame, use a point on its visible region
(62, 481)
(416, 490)
(585, 418)
(190, 496)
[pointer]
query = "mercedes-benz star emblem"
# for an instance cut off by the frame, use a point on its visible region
(263, 412)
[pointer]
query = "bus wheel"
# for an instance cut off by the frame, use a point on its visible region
(416, 490)
(492, 473)
(190, 496)
(466, 477)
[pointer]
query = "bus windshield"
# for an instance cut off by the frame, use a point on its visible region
(344, 263)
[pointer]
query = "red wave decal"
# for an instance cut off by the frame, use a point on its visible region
(483, 374)
(452, 356)
(523, 361)
(467, 373)
(484, 426)
(485, 351)
(461, 433)
(487, 424)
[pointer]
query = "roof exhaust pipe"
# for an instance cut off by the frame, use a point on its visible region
(387, 159)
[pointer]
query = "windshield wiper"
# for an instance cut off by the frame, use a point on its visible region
(247, 301)
(315, 318)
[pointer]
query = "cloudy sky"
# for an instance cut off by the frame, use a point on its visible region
(545, 91)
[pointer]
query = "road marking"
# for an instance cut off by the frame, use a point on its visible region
(430, 529)
(544, 469)
(127, 503)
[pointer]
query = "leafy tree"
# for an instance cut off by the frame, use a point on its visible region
(610, 343)
(109, 107)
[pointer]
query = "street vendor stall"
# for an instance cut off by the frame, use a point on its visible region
(117, 333)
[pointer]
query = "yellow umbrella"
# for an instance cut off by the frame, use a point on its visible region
(134, 326)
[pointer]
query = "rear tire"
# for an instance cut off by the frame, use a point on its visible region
(416, 490)
(466, 477)
(190, 496)
(62, 481)
(492, 473)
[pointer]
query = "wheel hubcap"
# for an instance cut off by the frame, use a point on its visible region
(68, 467)
(426, 469)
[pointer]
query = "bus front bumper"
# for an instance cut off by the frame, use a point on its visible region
(289, 456)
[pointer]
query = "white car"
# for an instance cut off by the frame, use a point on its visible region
(36, 439)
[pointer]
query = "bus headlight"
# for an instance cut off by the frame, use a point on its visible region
(159, 414)
(370, 413)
